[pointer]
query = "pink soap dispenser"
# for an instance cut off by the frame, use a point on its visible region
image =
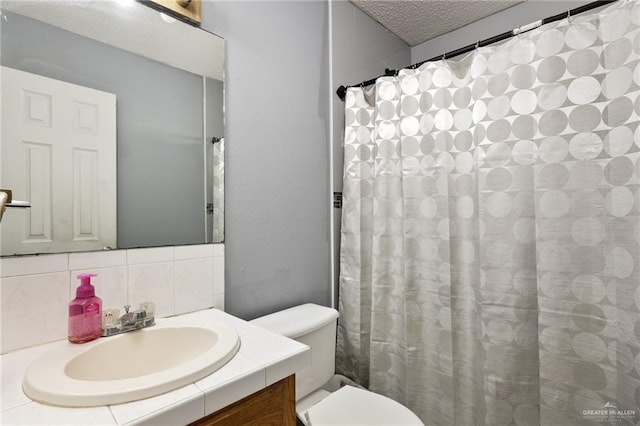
(85, 312)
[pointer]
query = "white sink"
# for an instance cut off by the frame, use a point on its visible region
(129, 366)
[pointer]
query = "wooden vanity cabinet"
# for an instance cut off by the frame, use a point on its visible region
(272, 406)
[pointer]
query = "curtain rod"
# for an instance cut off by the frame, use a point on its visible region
(342, 90)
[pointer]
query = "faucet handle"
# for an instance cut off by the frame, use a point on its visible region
(126, 308)
(148, 307)
(110, 318)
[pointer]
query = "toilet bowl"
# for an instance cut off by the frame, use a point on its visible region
(316, 405)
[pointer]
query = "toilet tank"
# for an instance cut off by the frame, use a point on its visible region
(315, 326)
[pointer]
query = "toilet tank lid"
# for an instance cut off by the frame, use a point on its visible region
(296, 321)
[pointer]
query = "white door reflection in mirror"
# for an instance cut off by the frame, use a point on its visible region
(58, 152)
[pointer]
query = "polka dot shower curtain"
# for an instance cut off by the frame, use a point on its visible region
(490, 259)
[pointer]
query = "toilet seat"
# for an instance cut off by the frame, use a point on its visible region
(351, 406)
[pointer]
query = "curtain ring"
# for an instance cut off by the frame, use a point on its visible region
(477, 44)
(569, 16)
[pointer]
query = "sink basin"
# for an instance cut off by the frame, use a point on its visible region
(129, 366)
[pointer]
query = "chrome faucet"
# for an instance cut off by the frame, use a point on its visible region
(142, 317)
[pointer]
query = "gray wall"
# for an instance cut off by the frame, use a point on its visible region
(159, 147)
(362, 49)
(514, 17)
(276, 141)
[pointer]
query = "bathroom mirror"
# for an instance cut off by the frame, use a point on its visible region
(112, 127)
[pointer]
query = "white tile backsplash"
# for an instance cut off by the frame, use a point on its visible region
(218, 301)
(150, 255)
(194, 251)
(194, 284)
(218, 250)
(218, 275)
(34, 309)
(36, 290)
(97, 259)
(28, 265)
(153, 282)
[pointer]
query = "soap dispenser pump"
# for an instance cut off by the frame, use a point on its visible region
(85, 312)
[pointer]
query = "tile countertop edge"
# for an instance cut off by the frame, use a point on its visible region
(158, 407)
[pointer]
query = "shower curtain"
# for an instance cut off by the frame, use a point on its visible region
(490, 251)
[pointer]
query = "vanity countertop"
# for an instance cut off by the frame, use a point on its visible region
(263, 359)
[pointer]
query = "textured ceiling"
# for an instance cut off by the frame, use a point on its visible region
(416, 21)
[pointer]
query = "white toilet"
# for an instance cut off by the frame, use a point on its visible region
(315, 326)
